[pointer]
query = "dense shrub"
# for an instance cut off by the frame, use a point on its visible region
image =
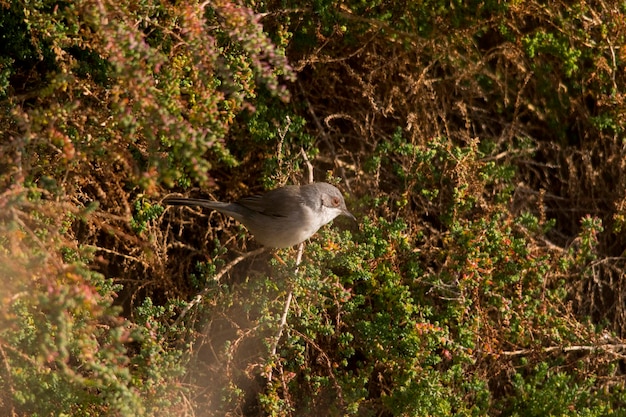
(479, 144)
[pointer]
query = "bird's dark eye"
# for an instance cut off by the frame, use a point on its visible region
(335, 201)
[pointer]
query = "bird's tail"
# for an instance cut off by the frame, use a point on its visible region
(182, 201)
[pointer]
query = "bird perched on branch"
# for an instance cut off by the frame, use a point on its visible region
(282, 217)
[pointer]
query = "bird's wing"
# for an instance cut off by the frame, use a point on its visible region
(277, 203)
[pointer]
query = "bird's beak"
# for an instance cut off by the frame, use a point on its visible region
(348, 214)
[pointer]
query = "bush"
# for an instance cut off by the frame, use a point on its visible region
(478, 144)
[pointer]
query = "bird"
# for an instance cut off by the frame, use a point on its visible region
(283, 217)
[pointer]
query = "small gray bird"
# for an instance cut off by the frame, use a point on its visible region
(282, 217)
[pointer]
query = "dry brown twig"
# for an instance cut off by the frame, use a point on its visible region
(607, 348)
(328, 143)
(285, 313)
(217, 278)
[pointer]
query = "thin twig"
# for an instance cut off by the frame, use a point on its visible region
(328, 142)
(614, 348)
(285, 313)
(308, 165)
(329, 364)
(116, 253)
(44, 249)
(216, 278)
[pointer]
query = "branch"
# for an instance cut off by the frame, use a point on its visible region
(216, 278)
(608, 347)
(285, 314)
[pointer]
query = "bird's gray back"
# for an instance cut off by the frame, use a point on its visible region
(281, 202)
